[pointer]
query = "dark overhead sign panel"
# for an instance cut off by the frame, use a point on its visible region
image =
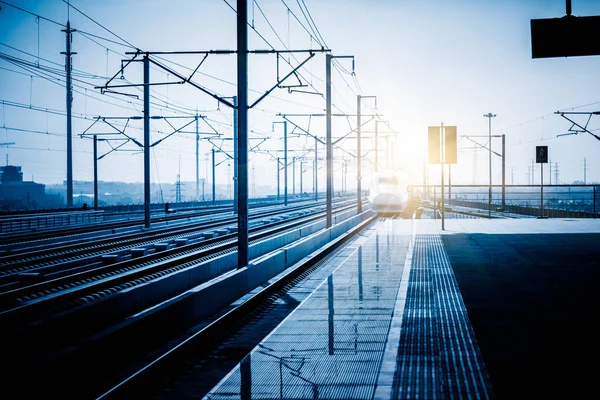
(541, 154)
(568, 36)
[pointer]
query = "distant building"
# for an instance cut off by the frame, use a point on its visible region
(18, 194)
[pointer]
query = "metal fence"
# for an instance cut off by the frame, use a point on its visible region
(20, 223)
(559, 201)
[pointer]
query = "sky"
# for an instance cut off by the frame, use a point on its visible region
(427, 62)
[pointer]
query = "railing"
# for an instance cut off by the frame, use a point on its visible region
(32, 220)
(559, 201)
(20, 223)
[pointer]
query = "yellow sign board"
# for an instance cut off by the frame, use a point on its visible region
(449, 145)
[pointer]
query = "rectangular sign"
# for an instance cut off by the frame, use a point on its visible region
(541, 154)
(450, 145)
(433, 140)
(568, 36)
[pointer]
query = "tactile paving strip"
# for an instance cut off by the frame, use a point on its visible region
(438, 356)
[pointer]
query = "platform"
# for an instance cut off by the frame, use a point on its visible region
(531, 291)
(486, 309)
(388, 322)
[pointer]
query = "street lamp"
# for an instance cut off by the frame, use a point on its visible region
(489, 116)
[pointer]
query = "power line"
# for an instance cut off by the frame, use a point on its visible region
(323, 43)
(286, 47)
(269, 44)
(99, 24)
(299, 22)
(86, 34)
(154, 94)
(27, 66)
(31, 13)
(8, 128)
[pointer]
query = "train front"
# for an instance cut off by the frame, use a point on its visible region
(388, 193)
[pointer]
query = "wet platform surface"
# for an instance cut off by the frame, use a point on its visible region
(388, 322)
(486, 309)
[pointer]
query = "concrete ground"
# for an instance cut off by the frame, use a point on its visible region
(531, 292)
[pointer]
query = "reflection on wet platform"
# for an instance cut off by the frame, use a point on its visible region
(387, 321)
(332, 345)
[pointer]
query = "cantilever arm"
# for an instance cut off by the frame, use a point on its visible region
(311, 55)
(172, 133)
(302, 129)
(583, 128)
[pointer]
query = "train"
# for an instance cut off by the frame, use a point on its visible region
(388, 193)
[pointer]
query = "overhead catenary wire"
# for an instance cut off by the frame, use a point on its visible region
(28, 66)
(283, 43)
(99, 24)
(123, 43)
(57, 76)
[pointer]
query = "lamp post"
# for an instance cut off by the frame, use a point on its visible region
(489, 116)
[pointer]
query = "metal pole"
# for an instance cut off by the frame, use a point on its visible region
(387, 154)
(301, 166)
(345, 180)
(376, 145)
(285, 163)
(330, 315)
(69, 100)
(434, 203)
(490, 163)
(242, 128)
(197, 160)
(235, 156)
(294, 175)
(503, 172)
(450, 184)
(359, 156)
(95, 172)
(316, 167)
(443, 156)
(489, 116)
(425, 190)
(278, 179)
(542, 190)
(146, 141)
(328, 58)
(594, 202)
(343, 177)
(214, 186)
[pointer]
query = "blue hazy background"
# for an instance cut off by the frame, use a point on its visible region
(428, 62)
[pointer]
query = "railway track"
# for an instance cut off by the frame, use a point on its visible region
(120, 348)
(8, 241)
(464, 212)
(196, 361)
(51, 261)
(23, 238)
(99, 281)
(79, 305)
